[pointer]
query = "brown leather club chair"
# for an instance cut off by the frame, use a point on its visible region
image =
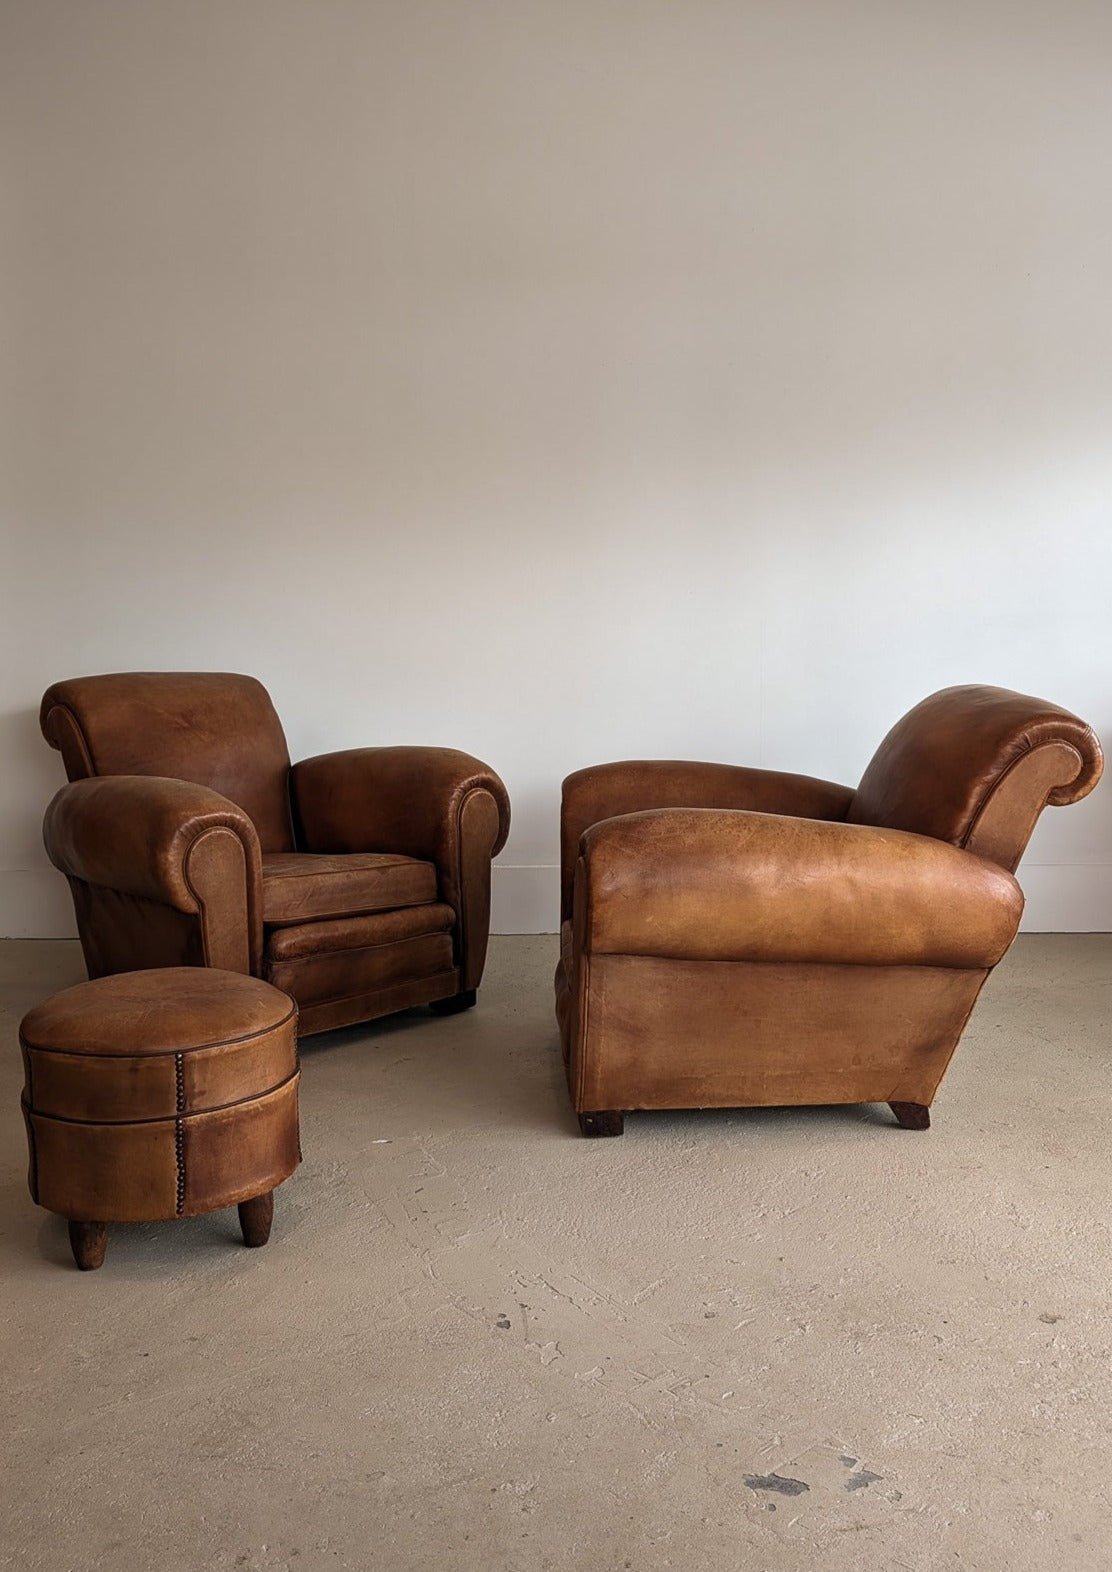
(735, 937)
(358, 882)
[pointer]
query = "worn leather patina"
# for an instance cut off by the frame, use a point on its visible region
(358, 881)
(736, 937)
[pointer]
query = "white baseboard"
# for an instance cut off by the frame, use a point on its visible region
(1061, 898)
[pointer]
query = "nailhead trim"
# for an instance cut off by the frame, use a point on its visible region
(179, 1129)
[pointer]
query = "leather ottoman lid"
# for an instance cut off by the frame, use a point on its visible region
(164, 1010)
(159, 1044)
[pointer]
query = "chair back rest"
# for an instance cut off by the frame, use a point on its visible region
(213, 728)
(975, 766)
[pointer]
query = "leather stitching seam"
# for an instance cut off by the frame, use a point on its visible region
(33, 1175)
(180, 1119)
(157, 1053)
(221, 829)
(82, 742)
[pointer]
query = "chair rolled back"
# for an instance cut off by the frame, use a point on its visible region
(214, 728)
(975, 766)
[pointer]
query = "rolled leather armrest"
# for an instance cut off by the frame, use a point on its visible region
(712, 885)
(407, 800)
(434, 803)
(604, 791)
(170, 841)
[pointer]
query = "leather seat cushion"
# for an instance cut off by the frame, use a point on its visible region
(157, 1044)
(155, 1012)
(306, 887)
(304, 940)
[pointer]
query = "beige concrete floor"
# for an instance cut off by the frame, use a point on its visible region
(479, 1341)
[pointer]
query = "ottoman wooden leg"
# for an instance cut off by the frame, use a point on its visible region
(88, 1241)
(255, 1218)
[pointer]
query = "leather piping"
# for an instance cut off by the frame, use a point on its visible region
(461, 903)
(178, 1119)
(156, 1053)
(79, 735)
(988, 971)
(32, 1151)
(194, 845)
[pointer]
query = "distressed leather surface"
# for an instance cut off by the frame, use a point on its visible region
(303, 887)
(604, 791)
(435, 804)
(703, 1034)
(937, 770)
(355, 972)
(159, 1093)
(177, 838)
(217, 729)
(739, 937)
(162, 872)
(370, 930)
(737, 886)
(152, 1013)
(134, 834)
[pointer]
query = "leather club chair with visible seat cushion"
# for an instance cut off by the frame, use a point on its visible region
(358, 882)
(737, 937)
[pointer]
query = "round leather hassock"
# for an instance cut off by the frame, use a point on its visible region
(160, 1094)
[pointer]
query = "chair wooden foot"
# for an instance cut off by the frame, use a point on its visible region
(88, 1241)
(607, 1122)
(255, 1218)
(458, 1002)
(911, 1116)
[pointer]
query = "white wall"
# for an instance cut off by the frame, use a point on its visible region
(562, 380)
